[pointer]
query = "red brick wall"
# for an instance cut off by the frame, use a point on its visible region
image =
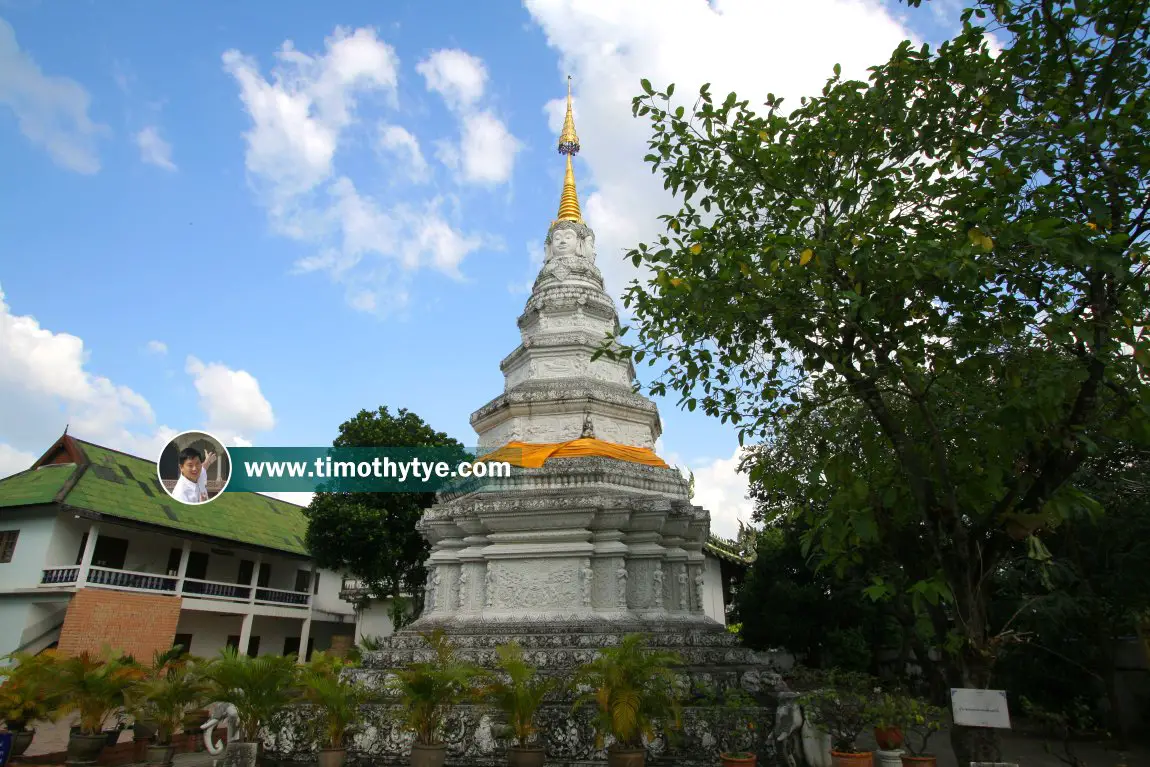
(135, 624)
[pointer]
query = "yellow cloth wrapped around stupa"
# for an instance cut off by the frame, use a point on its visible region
(532, 455)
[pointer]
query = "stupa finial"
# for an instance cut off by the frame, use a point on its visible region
(569, 146)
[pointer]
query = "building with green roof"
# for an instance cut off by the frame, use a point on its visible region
(94, 552)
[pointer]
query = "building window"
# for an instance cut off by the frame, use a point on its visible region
(185, 641)
(8, 544)
(110, 552)
(303, 581)
(291, 647)
(315, 584)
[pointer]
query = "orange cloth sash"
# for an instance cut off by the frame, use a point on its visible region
(532, 455)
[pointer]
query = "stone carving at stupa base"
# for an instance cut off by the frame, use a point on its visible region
(567, 557)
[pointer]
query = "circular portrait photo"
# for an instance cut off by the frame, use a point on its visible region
(194, 467)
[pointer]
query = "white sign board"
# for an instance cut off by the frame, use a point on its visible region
(979, 708)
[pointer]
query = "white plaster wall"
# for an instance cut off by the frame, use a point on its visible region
(65, 544)
(32, 546)
(209, 631)
(375, 620)
(328, 597)
(13, 619)
(713, 605)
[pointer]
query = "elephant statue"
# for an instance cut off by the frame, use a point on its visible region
(224, 713)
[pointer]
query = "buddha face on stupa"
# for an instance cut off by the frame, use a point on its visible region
(564, 242)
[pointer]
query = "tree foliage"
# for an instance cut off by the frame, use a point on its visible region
(958, 247)
(372, 535)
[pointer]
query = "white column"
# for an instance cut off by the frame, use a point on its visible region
(86, 560)
(303, 639)
(255, 577)
(246, 634)
(182, 572)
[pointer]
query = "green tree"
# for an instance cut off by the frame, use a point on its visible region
(1068, 615)
(958, 245)
(812, 613)
(372, 535)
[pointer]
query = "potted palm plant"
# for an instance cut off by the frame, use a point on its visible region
(165, 699)
(518, 691)
(93, 686)
(25, 697)
(843, 710)
(635, 691)
(336, 702)
(260, 689)
(918, 720)
(429, 690)
(163, 663)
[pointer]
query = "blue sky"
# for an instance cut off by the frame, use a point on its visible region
(261, 217)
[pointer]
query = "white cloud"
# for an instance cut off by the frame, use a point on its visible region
(455, 75)
(397, 139)
(748, 46)
(51, 111)
(485, 150)
(231, 400)
(157, 347)
(13, 460)
(300, 115)
(488, 149)
(45, 385)
(153, 149)
(298, 498)
(722, 490)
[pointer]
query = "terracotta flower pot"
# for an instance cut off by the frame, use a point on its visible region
(428, 756)
(929, 760)
(738, 760)
(626, 757)
(160, 756)
(888, 738)
(332, 757)
(21, 739)
(851, 759)
(85, 748)
(529, 756)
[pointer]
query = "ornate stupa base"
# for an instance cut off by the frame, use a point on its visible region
(712, 660)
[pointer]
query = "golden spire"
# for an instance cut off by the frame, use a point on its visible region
(568, 139)
(569, 146)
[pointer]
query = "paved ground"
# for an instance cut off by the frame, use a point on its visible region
(53, 738)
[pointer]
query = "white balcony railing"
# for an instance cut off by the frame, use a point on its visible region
(129, 580)
(195, 587)
(280, 597)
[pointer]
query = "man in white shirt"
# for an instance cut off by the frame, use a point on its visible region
(192, 486)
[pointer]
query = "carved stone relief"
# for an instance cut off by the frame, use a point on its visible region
(536, 584)
(684, 590)
(588, 579)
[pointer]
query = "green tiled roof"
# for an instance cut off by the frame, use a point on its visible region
(724, 549)
(119, 485)
(35, 485)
